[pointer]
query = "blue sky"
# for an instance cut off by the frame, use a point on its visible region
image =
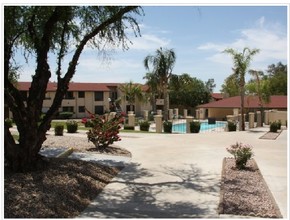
(198, 35)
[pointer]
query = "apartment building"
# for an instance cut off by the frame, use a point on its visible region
(92, 96)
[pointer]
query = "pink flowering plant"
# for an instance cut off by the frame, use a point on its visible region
(242, 153)
(104, 131)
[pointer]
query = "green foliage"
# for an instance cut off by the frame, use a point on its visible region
(230, 87)
(129, 127)
(277, 79)
(188, 91)
(9, 122)
(275, 126)
(242, 153)
(58, 129)
(232, 126)
(167, 126)
(144, 125)
(65, 115)
(194, 126)
(279, 124)
(72, 126)
(131, 93)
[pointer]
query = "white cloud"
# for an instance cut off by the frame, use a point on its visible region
(149, 42)
(269, 38)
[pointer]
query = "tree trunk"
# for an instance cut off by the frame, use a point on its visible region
(242, 105)
(24, 156)
(166, 103)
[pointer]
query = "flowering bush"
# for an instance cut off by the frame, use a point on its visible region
(242, 153)
(88, 123)
(104, 131)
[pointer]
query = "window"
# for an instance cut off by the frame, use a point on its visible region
(69, 95)
(99, 109)
(68, 109)
(128, 108)
(81, 94)
(114, 95)
(99, 96)
(81, 109)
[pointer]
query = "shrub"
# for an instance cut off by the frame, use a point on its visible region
(58, 129)
(242, 153)
(232, 126)
(144, 125)
(72, 126)
(9, 122)
(279, 123)
(65, 115)
(167, 126)
(274, 126)
(194, 126)
(128, 127)
(105, 131)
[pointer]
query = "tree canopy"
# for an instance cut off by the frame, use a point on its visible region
(188, 91)
(273, 81)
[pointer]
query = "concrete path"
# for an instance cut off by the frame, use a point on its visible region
(178, 175)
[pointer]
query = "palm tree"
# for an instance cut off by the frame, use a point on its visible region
(154, 90)
(261, 89)
(162, 65)
(241, 64)
(131, 93)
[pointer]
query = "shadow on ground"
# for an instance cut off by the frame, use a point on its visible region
(165, 192)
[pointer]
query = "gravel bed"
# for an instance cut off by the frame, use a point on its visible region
(80, 144)
(245, 193)
(65, 187)
(61, 190)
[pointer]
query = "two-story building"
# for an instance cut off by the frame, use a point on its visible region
(94, 97)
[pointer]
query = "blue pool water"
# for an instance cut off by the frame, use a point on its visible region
(204, 126)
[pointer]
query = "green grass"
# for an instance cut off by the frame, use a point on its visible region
(134, 131)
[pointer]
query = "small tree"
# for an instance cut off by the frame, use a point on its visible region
(132, 92)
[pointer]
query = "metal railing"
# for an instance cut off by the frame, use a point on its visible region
(179, 126)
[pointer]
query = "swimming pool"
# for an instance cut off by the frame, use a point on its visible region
(204, 127)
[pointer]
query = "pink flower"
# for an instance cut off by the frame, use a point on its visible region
(84, 120)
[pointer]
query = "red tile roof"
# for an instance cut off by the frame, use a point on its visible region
(75, 86)
(250, 102)
(217, 95)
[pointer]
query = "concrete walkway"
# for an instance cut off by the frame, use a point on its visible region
(178, 175)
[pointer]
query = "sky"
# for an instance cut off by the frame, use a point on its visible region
(198, 35)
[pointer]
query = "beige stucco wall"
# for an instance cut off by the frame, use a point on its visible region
(219, 113)
(90, 103)
(278, 115)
